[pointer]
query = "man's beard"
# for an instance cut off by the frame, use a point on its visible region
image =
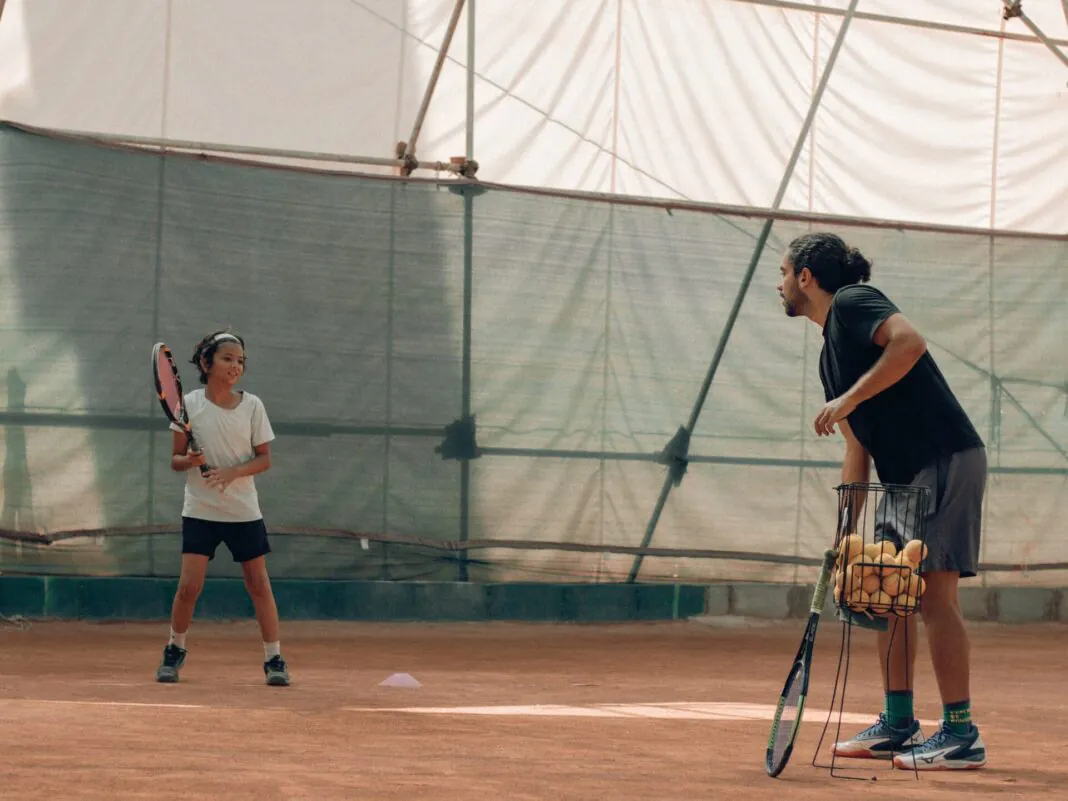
(790, 308)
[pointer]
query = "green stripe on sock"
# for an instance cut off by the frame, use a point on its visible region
(958, 716)
(899, 708)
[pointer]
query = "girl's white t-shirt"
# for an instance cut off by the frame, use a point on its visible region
(228, 438)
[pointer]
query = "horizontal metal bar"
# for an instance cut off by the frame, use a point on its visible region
(755, 213)
(893, 19)
(456, 546)
(633, 456)
(750, 461)
(560, 453)
(663, 204)
(168, 145)
(296, 428)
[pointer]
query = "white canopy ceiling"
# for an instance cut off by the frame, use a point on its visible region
(966, 124)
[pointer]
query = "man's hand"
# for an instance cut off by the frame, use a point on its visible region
(834, 412)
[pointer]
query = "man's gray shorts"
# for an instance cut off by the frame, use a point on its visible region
(955, 513)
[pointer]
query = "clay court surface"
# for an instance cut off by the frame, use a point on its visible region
(523, 711)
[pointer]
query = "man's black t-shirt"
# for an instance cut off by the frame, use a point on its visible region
(908, 425)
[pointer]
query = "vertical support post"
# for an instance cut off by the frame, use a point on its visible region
(157, 280)
(743, 290)
(383, 570)
(469, 214)
(465, 464)
(995, 405)
(469, 141)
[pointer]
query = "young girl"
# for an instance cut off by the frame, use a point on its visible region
(232, 428)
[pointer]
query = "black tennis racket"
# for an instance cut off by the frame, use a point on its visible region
(792, 701)
(169, 388)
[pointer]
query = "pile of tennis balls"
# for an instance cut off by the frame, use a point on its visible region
(877, 578)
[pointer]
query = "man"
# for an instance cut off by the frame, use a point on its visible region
(895, 408)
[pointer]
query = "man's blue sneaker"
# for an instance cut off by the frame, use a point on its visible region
(946, 750)
(881, 741)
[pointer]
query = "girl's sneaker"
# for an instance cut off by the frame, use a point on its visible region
(173, 659)
(275, 671)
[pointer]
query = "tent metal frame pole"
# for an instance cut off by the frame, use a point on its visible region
(157, 274)
(782, 215)
(894, 19)
(743, 290)
(207, 148)
(1014, 8)
(469, 138)
(632, 201)
(469, 215)
(408, 149)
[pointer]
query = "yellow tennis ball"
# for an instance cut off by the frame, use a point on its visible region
(886, 564)
(851, 547)
(915, 585)
(915, 551)
(854, 579)
(880, 603)
(870, 583)
(859, 600)
(873, 551)
(893, 583)
(904, 605)
(865, 564)
(887, 548)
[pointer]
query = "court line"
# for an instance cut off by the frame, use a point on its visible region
(718, 711)
(9, 701)
(675, 710)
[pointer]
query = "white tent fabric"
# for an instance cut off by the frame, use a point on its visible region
(695, 99)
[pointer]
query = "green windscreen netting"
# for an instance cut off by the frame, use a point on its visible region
(591, 327)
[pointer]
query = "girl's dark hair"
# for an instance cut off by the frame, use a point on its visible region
(833, 263)
(207, 347)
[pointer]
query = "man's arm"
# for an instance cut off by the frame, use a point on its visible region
(856, 466)
(856, 469)
(902, 347)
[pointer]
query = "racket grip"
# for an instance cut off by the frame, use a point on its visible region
(821, 585)
(193, 446)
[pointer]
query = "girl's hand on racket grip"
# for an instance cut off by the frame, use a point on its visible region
(180, 462)
(194, 458)
(187, 461)
(184, 457)
(220, 477)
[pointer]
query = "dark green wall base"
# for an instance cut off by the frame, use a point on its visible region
(70, 597)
